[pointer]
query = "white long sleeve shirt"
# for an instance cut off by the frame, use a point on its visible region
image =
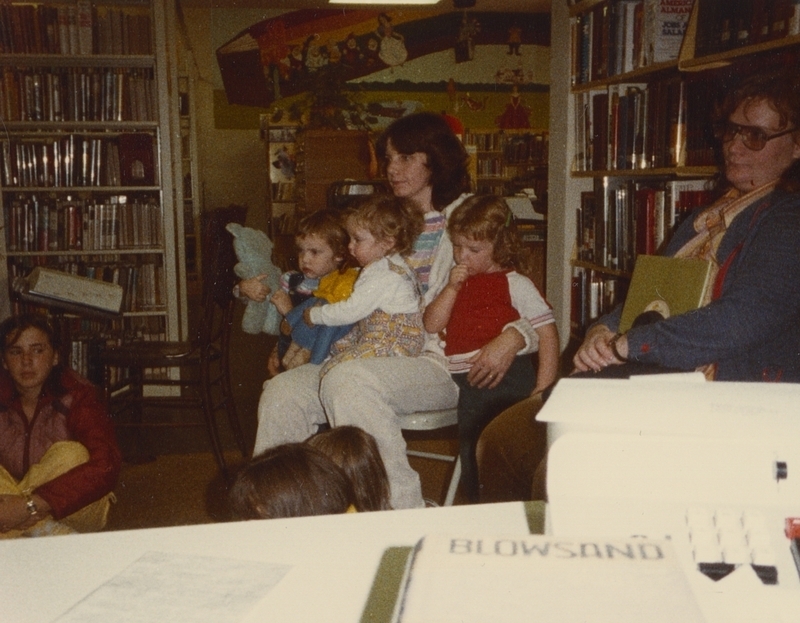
(377, 287)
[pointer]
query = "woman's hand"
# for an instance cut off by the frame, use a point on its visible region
(490, 364)
(595, 353)
(14, 513)
(254, 288)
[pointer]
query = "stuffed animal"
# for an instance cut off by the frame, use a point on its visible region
(254, 251)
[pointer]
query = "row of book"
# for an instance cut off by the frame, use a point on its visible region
(283, 191)
(142, 281)
(593, 294)
(70, 224)
(722, 26)
(75, 160)
(626, 218)
(530, 147)
(77, 94)
(617, 36)
(74, 28)
(630, 126)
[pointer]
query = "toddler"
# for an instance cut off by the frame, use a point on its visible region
(322, 248)
(483, 295)
(385, 302)
(356, 452)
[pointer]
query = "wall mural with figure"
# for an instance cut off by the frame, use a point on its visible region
(476, 62)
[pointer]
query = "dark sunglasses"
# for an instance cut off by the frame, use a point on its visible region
(753, 137)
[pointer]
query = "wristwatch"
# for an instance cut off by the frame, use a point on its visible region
(30, 506)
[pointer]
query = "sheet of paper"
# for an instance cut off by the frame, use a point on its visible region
(163, 586)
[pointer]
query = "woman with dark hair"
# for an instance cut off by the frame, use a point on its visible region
(59, 460)
(426, 164)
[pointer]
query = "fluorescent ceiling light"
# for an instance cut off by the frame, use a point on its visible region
(383, 1)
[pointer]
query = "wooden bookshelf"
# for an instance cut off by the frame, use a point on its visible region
(86, 167)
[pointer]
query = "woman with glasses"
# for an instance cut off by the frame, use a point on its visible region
(750, 329)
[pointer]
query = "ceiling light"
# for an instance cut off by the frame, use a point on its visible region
(397, 2)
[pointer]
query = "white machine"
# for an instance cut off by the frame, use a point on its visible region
(713, 466)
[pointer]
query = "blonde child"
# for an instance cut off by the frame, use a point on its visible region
(356, 452)
(322, 249)
(484, 294)
(385, 302)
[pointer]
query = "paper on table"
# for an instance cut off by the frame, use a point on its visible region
(162, 586)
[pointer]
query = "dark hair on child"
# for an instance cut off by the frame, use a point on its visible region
(328, 225)
(430, 134)
(290, 480)
(488, 217)
(387, 216)
(12, 328)
(356, 452)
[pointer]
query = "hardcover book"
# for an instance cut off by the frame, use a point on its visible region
(52, 284)
(667, 285)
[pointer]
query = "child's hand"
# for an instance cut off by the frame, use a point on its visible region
(254, 288)
(307, 317)
(282, 302)
(273, 363)
(458, 275)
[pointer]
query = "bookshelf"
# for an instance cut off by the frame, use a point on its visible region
(303, 163)
(86, 160)
(515, 162)
(637, 145)
(507, 161)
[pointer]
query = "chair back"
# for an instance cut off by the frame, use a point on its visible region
(219, 258)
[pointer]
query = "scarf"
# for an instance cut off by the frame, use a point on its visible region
(711, 225)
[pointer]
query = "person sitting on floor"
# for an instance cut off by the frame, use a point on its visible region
(59, 459)
(291, 480)
(356, 452)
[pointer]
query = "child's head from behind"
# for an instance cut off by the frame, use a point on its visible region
(290, 480)
(356, 452)
(380, 225)
(321, 243)
(484, 235)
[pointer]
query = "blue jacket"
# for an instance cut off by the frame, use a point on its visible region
(752, 330)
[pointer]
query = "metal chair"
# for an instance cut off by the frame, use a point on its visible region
(433, 420)
(203, 362)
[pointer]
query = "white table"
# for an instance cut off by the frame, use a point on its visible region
(333, 558)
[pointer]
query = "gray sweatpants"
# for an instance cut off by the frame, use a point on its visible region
(367, 393)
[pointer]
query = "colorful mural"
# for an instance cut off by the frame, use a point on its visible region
(409, 50)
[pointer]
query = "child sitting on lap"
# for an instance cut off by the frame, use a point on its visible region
(484, 294)
(385, 302)
(322, 248)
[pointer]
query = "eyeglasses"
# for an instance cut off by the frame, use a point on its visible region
(753, 137)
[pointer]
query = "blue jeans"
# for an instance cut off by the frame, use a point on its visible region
(477, 407)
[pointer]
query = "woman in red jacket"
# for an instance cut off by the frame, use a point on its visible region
(59, 459)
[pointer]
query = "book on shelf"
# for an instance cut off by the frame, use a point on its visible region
(665, 23)
(464, 579)
(136, 159)
(52, 284)
(667, 285)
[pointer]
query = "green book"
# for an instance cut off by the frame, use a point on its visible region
(667, 285)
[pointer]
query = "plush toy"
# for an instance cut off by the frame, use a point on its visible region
(254, 251)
